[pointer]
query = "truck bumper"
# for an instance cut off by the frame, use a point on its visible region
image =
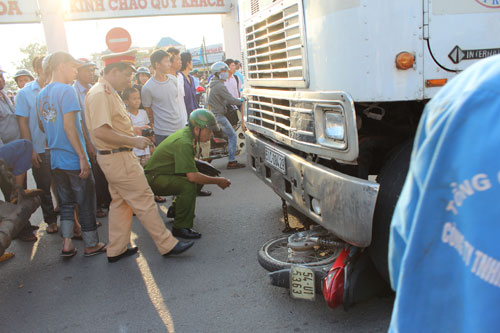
(347, 203)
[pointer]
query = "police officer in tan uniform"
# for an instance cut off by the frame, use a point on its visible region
(113, 135)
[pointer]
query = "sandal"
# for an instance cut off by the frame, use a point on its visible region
(69, 254)
(101, 250)
(159, 199)
(52, 228)
(6, 256)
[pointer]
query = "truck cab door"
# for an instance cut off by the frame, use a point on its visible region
(461, 32)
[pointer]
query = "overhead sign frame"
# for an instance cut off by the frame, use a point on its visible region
(106, 9)
(19, 11)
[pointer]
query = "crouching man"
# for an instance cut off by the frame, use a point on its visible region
(171, 170)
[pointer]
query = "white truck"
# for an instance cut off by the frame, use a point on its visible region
(335, 92)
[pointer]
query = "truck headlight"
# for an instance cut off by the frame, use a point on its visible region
(334, 126)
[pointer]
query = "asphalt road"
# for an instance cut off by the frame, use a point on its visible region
(217, 286)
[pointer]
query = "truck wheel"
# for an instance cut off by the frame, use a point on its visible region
(273, 255)
(391, 179)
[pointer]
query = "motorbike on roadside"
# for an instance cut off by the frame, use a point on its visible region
(219, 143)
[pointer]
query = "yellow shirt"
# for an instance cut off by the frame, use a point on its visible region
(102, 108)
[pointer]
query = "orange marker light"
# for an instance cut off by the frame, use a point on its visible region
(435, 83)
(405, 60)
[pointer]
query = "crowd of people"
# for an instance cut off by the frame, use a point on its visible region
(114, 145)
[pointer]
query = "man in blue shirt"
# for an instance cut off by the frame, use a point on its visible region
(444, 250)
(59, 112)
(28, 125)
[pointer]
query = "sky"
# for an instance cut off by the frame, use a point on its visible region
(87, 37)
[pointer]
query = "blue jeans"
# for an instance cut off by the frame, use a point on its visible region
(159, 138)
(71, 190)
(231, 136)
(43, 178)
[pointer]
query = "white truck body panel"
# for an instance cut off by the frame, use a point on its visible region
(351, 45)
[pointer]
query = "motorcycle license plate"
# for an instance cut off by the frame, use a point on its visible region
(302, 283)
(276, 160)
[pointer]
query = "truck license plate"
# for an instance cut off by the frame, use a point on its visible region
(302, 283)
(276, 160)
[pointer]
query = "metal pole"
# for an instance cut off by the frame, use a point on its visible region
(52, 13)
(231, 27)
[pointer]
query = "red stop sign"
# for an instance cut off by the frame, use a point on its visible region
(118, 40)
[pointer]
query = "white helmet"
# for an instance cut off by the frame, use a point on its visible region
(218, 67)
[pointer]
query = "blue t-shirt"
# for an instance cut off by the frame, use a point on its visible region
(26, 107)
(53, 102)
(444, 249)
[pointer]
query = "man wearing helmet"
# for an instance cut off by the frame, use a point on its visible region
(172, 170)
(218, 99)
(22, 77)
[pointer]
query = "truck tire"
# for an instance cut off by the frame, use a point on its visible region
(272, 262)
(391, 179)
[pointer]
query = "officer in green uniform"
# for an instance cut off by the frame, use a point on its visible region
(171, 170)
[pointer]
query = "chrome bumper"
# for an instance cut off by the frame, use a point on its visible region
(347, 203)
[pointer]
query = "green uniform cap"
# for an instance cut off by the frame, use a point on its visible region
(203, 118)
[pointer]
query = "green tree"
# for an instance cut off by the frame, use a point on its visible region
(11, 85)
(30, 51)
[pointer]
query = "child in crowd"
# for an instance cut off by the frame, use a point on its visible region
(132, 99)
(140, 119)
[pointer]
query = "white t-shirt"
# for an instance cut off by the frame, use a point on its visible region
(140, 119)
(163, 98)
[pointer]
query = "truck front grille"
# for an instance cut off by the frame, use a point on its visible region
(290, 119)
(297, 119)
(275, 47)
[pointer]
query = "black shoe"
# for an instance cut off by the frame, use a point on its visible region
(185, 233)
(171, 212)
(128, 252)
(204, 193)
(179, 248)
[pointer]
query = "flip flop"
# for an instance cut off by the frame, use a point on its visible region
(159, 199)
(52, 231)
(96, 252)
(69, 254)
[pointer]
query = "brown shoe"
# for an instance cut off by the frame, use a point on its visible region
(235, 165)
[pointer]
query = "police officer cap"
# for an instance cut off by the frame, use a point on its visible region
(127, 57)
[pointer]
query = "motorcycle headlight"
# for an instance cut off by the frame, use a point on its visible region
(334, 126)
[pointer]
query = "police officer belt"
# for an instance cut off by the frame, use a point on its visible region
(112, 151)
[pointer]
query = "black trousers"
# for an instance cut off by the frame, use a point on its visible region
(43, 178)
(101, 186)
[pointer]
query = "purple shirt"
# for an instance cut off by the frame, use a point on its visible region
(190, 95)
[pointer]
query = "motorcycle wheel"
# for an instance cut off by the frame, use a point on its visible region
(273, 255)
